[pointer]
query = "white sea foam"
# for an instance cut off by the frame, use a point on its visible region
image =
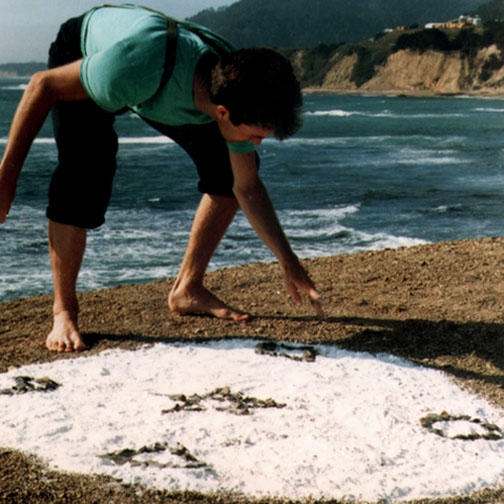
(12, 284)
(144, 245)
(489, 109)
(433, 142)
(387, 114)
(321, 233)
(335, 113)
(17, 87)
(44, 141)
(299, 140)
(325, 141)
(157, 139)
(442, 209)
(346, 426)
(433, 160)
(365, 150)
(429, 116)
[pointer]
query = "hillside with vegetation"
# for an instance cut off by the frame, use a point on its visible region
(296, 23)
(404, 57)
(446, 61)
(20, 69)
(491, 11)
(374, 44)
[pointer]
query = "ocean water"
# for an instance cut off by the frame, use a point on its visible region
(365, 172)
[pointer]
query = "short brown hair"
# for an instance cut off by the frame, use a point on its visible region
(258, 87)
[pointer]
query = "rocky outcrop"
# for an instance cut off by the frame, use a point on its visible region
(410, 71)
(340, 74)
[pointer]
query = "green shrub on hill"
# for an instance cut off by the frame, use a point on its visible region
(316, 63)
(494, 34)
(367, 61)
(22, 69)
(467, 40)
(284, 23)
(424, 40)
(491, 65)
(491, 11)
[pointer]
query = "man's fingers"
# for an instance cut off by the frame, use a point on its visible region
(4, 210)
(295, 295)
(317, 301)
(317, 306)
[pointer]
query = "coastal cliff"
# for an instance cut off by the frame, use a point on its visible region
(436, 72)
(418, 62)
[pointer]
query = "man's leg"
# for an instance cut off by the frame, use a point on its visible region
(66, 249)
(188, 295)
(79, 191)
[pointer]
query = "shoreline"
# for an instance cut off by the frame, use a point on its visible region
(406, 93)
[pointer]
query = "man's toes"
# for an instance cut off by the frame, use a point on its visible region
(78, 346)
(228, 314)
(239, 317)
(65, 345)
(73, 345)
(52, 345)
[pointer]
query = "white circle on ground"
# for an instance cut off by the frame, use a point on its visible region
(345, 426)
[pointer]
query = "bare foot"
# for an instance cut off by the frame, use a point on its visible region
(201, 300)
(65, 335)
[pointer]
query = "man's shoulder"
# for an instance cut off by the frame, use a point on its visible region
(124, 54)
(107, 24)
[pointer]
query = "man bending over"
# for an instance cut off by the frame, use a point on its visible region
(188, 83)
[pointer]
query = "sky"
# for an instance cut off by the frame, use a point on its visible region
(27, 27)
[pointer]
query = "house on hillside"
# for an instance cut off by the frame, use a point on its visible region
(462, 21)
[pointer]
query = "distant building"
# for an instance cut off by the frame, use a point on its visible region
(397, 28)
(462, 21)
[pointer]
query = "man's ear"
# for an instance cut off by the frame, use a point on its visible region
(222, 112)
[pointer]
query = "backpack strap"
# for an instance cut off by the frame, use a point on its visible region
(218, 43)
(171, 50)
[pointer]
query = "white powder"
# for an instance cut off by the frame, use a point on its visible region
(350, 427)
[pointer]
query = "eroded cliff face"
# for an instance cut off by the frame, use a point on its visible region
(340, 74)
(410, 71)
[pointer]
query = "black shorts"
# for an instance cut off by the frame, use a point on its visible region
(87, 144)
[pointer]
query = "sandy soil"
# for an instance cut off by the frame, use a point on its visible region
(440, 305)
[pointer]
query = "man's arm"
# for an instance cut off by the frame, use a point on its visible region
(43, 91)
(256, 204)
